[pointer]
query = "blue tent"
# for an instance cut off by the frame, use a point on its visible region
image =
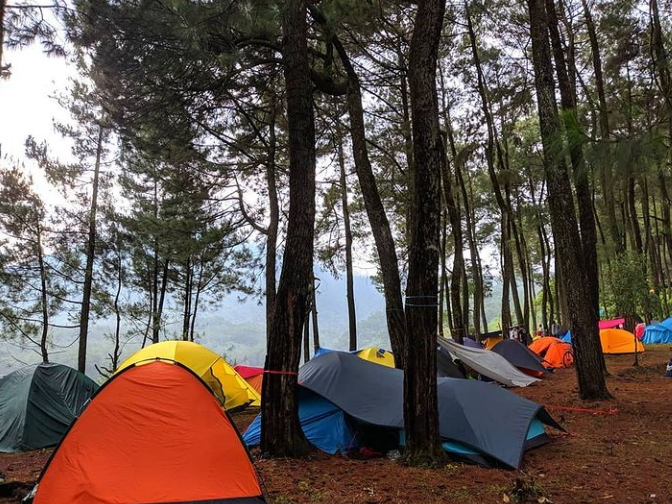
(658, 333)
(351, 401)
(325, 425)
(567, 338)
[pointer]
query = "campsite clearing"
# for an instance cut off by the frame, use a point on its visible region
(616, 458)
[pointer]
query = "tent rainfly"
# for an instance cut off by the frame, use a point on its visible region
(345, 403)
(228, 386)
(38, 404)
(154, 433)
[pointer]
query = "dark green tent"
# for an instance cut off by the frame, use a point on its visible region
(38, 404)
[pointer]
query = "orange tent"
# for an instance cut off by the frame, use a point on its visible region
(618, 341)
(154, 433)
(556, 353)
(252, 375)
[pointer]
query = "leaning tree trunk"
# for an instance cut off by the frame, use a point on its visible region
(421, 415)
(592, 384)
(281, 434)
(380, 225)
(90, 258)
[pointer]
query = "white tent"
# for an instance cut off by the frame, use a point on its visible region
(488, 363)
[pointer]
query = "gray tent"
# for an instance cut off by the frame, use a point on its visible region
(38, 404)
(488, 363)
(520, 356)
(478, 421)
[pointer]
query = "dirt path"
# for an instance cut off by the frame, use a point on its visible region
(623, 457)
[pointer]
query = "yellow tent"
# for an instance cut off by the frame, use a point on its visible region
(229, 387)
(377, 355)
(492, 341)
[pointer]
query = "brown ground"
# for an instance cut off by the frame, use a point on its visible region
(619, 458)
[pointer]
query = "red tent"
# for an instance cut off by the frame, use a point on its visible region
(153, 434)
(610, 324)
(252, 375)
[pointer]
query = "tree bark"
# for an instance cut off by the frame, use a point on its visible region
(116, 353)
(493, 149)
(574, 135)
(421, 415)
(90, 258)
(44, 301)
(186, 315)
(274, 219)
(587, 350)
(349, 275)
(158, 314)
(313, 312)
(661, 65)
(380, 225)
(306, 337)
(460, 314)
(281, 434)
(606, 174)
(199, 289)
(477, 276)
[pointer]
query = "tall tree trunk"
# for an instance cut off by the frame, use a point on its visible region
(281, 434)
(156, 318)
(606, 172)
(306, 336)
(476, 273)
(150, 317)
(421, 415)
(186, 315)
(505, 320)
(44, 301)
(313, 311)
(659, 57)
(545, 287)
(492, 150)
(575, 135)
(349, 275)
(588, 352)
(460, 320)
(408, 143)
(459, 328)
(274, 218)
(199, 289)
(90, 258)
(158, 314)
(116, 353)
(380, 225)
(443, 279)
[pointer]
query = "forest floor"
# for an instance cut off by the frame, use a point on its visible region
(621, 457)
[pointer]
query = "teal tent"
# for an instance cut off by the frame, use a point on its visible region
(38, 404)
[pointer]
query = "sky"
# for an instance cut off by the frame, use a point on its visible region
(27, 107)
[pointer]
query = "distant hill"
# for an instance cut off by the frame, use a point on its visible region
(236, 328)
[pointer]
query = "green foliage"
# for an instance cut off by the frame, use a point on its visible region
(627, 291)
